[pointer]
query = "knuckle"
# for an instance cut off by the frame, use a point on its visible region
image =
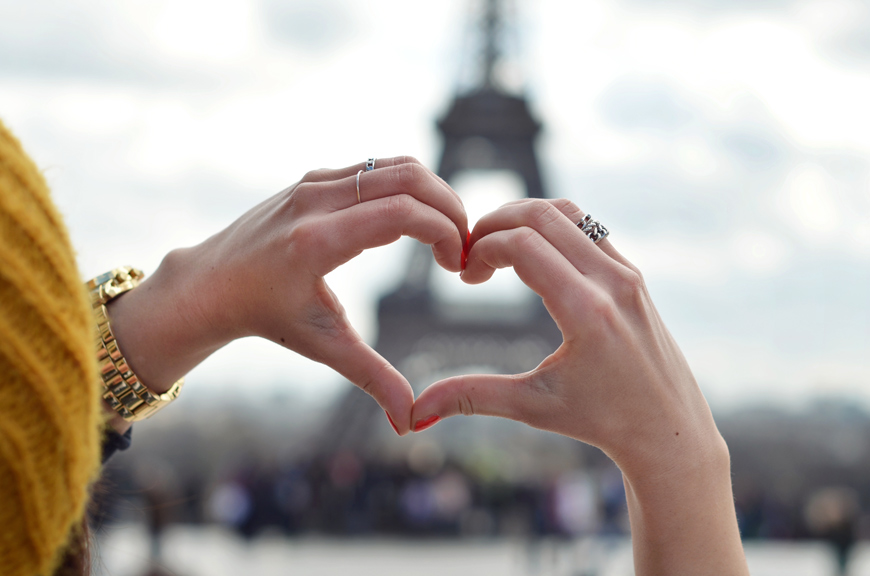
(408, 175)
(635, 269)
(542, 213)
(526, 240)
(317, 175)
(407, 160)
(566, 207)
(603, 308)
(630, 286)
(398, 208)
(301, 197)
(465, 404)
(368, 382)
(306, 236)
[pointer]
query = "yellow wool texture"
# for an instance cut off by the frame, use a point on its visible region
(49, 398)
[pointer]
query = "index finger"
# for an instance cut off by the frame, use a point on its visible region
(568, 295)
(330, 175)
(409, 178)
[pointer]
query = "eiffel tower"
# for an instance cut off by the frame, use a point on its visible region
(485, 128)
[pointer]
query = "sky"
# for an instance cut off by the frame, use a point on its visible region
(726, 144)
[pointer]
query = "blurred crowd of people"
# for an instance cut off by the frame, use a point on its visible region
(428, 493)
(344, 495)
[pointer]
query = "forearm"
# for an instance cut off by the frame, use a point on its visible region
(683, 520)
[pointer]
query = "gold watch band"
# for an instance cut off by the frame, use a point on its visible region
(122, 390)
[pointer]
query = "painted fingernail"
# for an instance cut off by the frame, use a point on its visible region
(393, 424)
(465, 249)
(426, 422)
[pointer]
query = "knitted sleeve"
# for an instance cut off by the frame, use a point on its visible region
(50, 417)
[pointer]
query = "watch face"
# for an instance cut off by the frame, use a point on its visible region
(101, 279)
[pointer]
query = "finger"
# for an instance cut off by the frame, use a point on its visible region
(351, 357)
(342, 235)
(486, 394)
(548, 218)
(332, 174)
(567, 294)
(409, 178)
(575, 214)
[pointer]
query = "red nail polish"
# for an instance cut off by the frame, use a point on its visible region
(393, 424)
(465, 248)
(426, 422)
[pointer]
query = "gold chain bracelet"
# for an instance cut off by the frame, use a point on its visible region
(122, 390)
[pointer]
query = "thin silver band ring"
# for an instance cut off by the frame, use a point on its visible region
(358, 199)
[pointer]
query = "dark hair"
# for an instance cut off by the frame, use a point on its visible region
(76, 559)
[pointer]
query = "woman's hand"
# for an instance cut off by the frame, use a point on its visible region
(263, 276)
(618, 382)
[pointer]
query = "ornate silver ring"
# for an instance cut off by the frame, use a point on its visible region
(370, 164)
(593, 229)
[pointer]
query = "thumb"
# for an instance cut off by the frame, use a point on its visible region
(369, 371)
(507, 396)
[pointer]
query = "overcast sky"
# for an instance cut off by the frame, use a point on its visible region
(725, 143)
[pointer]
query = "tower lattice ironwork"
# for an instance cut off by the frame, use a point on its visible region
(485, 128)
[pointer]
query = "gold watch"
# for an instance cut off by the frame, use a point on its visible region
(122, 390)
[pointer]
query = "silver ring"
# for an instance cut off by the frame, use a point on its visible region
(370, 164)
(593, 229)
(358, 199)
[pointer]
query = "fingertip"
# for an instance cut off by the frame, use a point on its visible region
(446, 258)
(393, 424)
(426, 423)
(434, 400)
(476, 272)
(466, 246)
(486, 394)
(397, 401)
(371, 373)
(444, 248)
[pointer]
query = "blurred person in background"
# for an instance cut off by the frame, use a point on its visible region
(618, 382)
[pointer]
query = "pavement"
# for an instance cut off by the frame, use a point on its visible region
(124, 550)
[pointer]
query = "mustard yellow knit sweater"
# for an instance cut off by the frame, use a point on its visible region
(49, 401)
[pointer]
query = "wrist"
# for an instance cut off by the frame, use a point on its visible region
(160, 325)
(692, 467)
(683, 519)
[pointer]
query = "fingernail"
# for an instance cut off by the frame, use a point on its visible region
(465, 248)
(393, 424)
(426, 422)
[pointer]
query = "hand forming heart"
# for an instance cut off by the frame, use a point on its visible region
(618, 381)
(264, 276)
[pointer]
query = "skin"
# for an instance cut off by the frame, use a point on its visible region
(618, 381)
(264, 276)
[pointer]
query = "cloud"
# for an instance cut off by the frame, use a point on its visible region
(646, 103)
(748, 255)
(310, 27)
(80, 42)
(853, 46)
(842, 30)
(716, 7)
